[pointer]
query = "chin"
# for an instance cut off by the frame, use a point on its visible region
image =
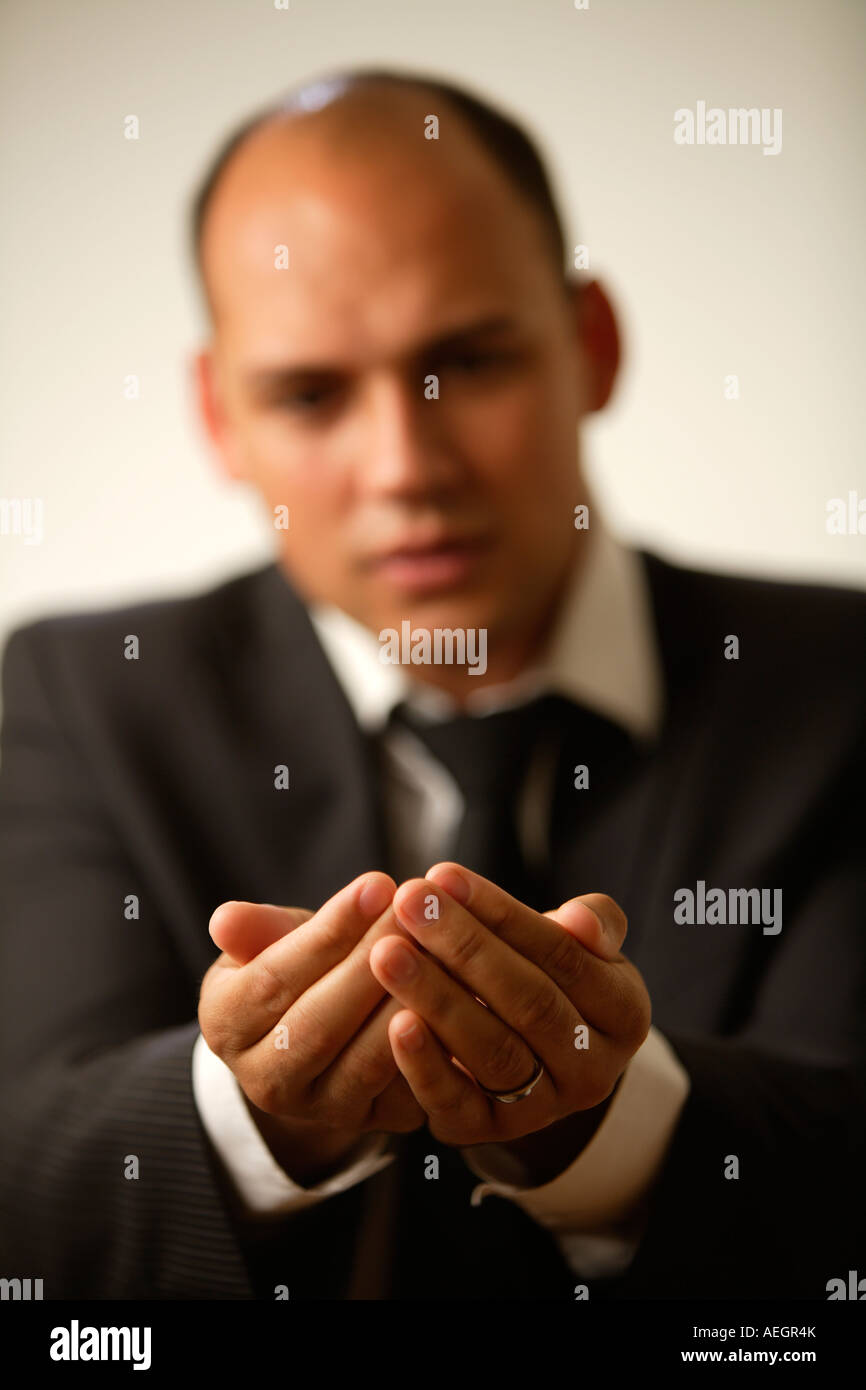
(446, 610)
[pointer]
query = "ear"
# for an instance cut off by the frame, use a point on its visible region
(208, 393)
(598, 333)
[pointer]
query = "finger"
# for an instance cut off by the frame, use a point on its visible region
(396, 1110)
(365, 1066)
(538, 1004)
(365, 1076)
(552, 946)
(596, 921)
(492, 1051)
(242, 929)
(527, 930)
(451, 1100)
(331, 1011)
(248, 1001)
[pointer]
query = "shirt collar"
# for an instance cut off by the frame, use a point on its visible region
(602, 652)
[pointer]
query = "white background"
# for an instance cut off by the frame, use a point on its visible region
(720, 259)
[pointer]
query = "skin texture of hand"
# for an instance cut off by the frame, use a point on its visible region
(325, 977)
(302, 979)
(541, 977)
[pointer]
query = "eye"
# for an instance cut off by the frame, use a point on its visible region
(472, 361)
(301, 401)
(306, 400)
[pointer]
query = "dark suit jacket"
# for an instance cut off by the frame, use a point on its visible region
(155, 778)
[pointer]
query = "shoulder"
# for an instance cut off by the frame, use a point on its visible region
(166, 634)
(782, 625)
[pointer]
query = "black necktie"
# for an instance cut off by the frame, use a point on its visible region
(501, 1251)
(489, 755)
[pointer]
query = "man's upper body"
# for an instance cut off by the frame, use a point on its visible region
(137, 795)
(399, 364)
(601, 654)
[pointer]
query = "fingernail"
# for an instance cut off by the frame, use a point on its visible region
(411, 1037)
(374, 897)
(455, 886)
(420, 908)
(400, 963)
(576, 917)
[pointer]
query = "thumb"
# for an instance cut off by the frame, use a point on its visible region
(596, 921)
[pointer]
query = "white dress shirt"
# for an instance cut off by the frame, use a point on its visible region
(601, 653)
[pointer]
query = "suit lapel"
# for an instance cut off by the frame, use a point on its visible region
(296, 843)
(300, 844)
(636, 841)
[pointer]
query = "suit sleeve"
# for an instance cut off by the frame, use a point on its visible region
(761, 1194)
(108, 1185)
(263, 1188)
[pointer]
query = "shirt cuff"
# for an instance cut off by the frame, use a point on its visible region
(601, 1192)
(263, 1186)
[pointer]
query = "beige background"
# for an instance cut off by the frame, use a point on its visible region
(722, 260)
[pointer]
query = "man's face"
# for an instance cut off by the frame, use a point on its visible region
(408, 259)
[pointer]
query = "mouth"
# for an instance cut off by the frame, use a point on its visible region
(426, 566)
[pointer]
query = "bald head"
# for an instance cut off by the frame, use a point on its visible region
(398, 360)
(364, 119)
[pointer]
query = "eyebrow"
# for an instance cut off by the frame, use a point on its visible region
(265, 379)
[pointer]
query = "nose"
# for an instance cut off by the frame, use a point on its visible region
(406, 451)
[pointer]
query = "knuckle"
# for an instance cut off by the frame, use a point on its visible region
(507, 1065)
(636, 1013)
(632, 1006)
(266, 1098)
(610, 912)
(210, 985)
(565, 960)
(215, 1024)
(440, 1004)
(465, 946)
(266, 1091)
(329, 1103)
(313, 1032)
(335, 932)
(329, 1111)
(265, 988)
(541, 1011)
(216, 1035)
(498, 913)
(370, 1070)
(448, 1107)
(453, 1126)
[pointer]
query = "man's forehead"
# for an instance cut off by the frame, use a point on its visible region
(356, 204)
(355, 298)
(366, 124)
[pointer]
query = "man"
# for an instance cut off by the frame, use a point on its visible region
(445, 1070)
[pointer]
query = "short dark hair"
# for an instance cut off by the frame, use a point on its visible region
(509, 146)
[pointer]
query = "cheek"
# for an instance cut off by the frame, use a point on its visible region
(528, 447)
(315, 539)
(538, 411)
(307, 503)
(296, 472)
